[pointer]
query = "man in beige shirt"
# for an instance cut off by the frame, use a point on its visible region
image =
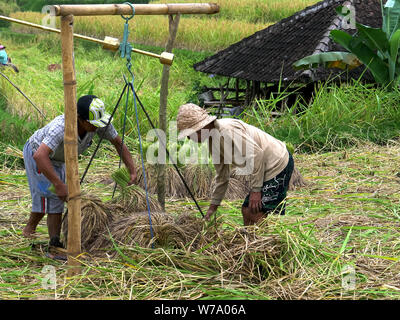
(235, 144)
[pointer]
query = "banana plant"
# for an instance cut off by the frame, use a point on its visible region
(376, 48)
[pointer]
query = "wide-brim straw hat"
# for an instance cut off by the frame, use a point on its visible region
(192, 118)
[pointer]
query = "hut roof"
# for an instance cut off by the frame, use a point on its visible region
(268, 55)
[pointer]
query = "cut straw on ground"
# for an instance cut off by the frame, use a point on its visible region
(346, 216)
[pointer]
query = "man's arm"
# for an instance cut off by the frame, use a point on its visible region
(44, 165)
(256, 179)
(126, 158)
(221, 185)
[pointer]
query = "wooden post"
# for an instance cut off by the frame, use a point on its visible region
(71, 144)
(237, 90)
(173, 29)
(248, 98)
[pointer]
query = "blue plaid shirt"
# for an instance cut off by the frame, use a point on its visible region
(53, 136)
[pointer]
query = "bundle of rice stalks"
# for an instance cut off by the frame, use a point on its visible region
(132, 198)
(199, 178)
(243, 252)
(121, 177)
(249, 252)
(174, 186)
(96, 216)
(135, 230)
(192, 226)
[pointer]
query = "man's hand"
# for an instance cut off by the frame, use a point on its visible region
(44, 165)
(126, 158)
(62, 191)
(133, 179)
(211, 210)
(255, 203)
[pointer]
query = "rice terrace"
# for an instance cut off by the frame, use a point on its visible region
(313, 85)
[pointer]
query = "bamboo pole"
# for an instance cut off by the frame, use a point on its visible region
(71, 145)
(108, 43)
(140, 9)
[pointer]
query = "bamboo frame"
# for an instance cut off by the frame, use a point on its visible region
(67, 13)
(140, 9)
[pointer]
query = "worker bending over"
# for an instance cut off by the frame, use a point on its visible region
(233, 143)
(45, 164)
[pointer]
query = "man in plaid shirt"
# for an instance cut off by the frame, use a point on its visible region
(45, 164)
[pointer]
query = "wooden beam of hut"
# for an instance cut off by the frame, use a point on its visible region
(140, 9)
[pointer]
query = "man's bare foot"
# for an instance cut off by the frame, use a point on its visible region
(30, 228)
(29, 232)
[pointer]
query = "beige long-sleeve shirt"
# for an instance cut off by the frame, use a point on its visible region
(235, 144)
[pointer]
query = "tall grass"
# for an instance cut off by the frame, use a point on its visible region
(338, 117)
(253, 11)
(13, 129)
(194, 33)
(14, 132)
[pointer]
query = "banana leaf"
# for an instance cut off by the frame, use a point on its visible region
(374, 38)
(394, 44)
(356, 46)
(341, 60)
(391, 17)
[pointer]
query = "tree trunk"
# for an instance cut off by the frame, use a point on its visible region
(173, 29)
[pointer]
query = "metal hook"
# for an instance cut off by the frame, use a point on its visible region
(133, 12)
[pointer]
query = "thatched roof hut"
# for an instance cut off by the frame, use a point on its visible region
(265, 58)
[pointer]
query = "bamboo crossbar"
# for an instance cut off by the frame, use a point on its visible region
(108, 43)
(140, 9)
